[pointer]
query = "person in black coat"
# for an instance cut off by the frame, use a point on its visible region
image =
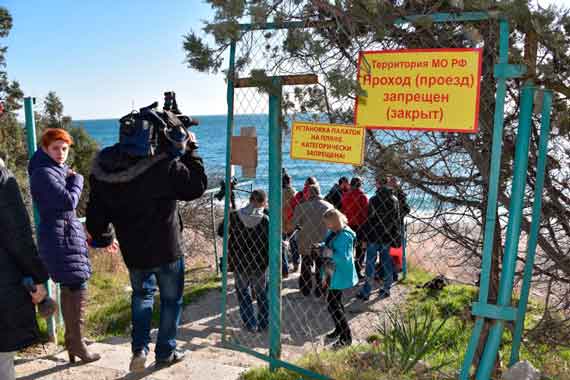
(381, 230)
(138, 196)
(336, 192)
(18, 259)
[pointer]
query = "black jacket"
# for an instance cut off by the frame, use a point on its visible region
(403, 207)
(248, 247)
(138, 196)
(334, 196)
(383, 225)
(18, 259)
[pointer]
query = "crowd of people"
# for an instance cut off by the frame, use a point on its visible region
(333, 239)
(133, 204)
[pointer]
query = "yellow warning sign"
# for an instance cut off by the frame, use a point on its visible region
(343, 144)
(422, 89)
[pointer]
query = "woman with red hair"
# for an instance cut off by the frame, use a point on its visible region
(56, 190)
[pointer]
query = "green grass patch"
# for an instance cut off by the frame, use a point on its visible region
(352, 363)
(109, 308)
(452, 305)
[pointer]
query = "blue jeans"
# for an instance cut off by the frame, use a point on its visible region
(387, 267)
(294, 249)
(170, 281)
(257, 282)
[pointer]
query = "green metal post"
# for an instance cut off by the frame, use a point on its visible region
(535, 226)
(493, 191)
(32, 146)
(494, 172)
(513, 231)
(275, 224)
(404, 253)
(214, 237)
(229, 132)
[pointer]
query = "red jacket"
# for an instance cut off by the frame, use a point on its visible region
(296, 200)
(355, 207)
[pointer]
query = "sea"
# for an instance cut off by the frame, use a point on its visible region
(211, 135)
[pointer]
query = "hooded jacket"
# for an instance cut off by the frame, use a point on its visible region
(138, 197)
(62, 238)
(248, 245)
(342, 245)
(18, 259)
(309, 215)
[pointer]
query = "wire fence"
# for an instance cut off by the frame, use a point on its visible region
(418, 200)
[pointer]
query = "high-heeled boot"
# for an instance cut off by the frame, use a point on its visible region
(73, 305)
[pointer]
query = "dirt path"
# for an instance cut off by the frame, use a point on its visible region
(305, 322)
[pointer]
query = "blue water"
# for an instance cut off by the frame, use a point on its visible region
(211, 134)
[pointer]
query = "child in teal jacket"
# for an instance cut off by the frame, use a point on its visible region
(339, 247)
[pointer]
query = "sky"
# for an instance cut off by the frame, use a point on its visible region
(100, 56)
(103, 56)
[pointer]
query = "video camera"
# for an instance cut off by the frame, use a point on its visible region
(324, 262)
(149, 131)
(222, 193)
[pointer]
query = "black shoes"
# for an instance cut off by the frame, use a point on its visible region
(382, 294)
(138, 362)
(341, 343)
(334, 334)
(362, 297)
(175, 357)
(318, 292)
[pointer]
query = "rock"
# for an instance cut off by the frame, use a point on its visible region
(522, 371)
(370, 359)
(422, 370)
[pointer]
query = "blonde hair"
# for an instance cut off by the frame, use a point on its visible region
(334, 214)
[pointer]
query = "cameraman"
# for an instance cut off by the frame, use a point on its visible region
(18, 259)
(138, 195)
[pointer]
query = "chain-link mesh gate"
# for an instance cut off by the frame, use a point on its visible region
(418, 193)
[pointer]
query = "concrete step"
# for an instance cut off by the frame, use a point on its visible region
(114, 364)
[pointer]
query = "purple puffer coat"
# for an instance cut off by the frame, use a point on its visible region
(62, 240)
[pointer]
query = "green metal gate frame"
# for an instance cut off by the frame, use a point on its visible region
(497, 314)
(32, 145)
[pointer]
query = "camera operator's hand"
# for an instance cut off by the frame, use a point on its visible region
(192, 143)
(40, 294)
(113, 248)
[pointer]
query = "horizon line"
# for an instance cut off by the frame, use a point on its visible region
(195, 116)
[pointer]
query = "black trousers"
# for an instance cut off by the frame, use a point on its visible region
(336, 310)
(360, 254)
(307, 275)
